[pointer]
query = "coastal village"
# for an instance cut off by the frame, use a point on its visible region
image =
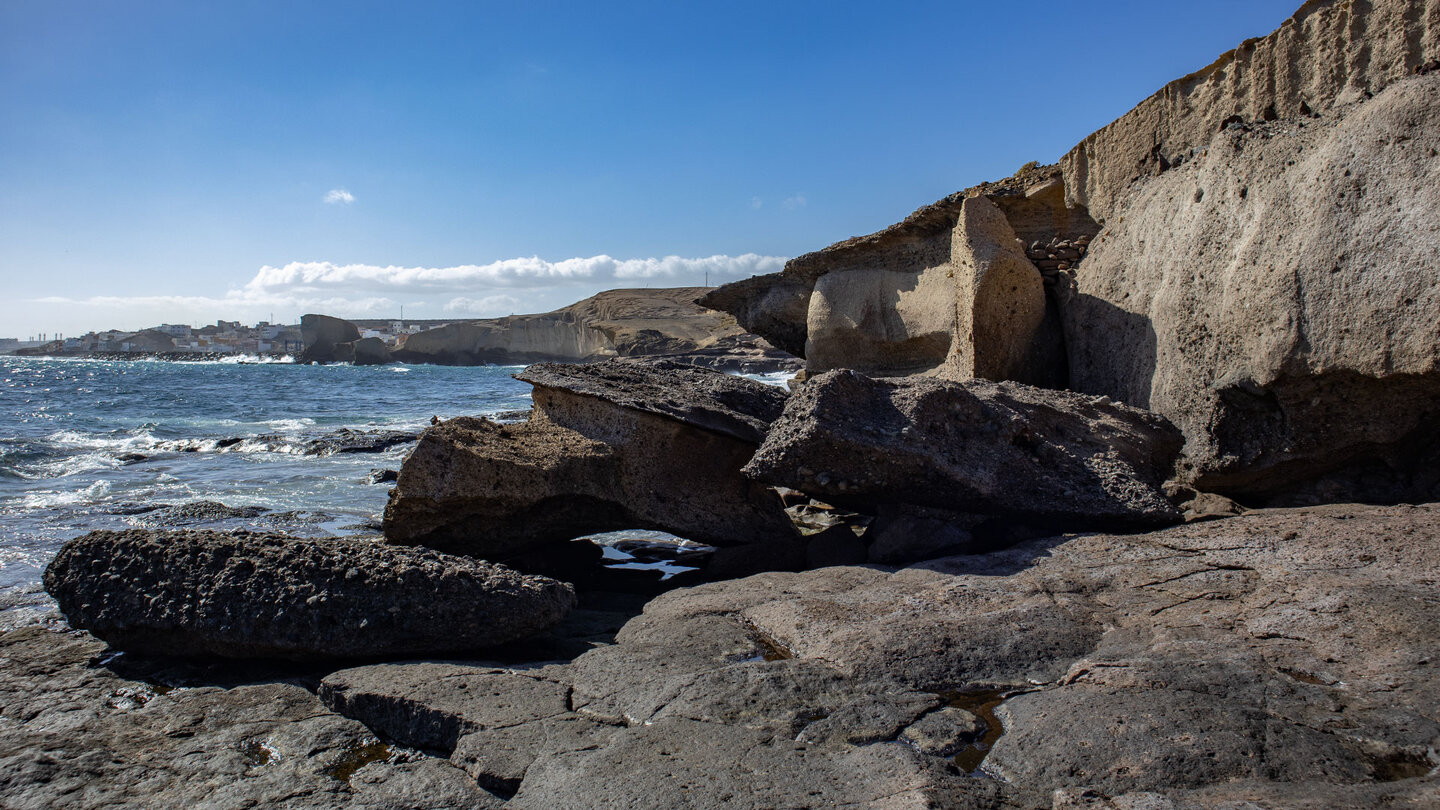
(220, 338)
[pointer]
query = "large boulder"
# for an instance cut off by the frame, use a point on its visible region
(999, 294)
(623, 444)
(327, 339)
(370, 351)
(1275, 297)
(976, 447)
(242, 595)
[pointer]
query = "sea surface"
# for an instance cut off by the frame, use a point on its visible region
(90, 444)
(242, 443)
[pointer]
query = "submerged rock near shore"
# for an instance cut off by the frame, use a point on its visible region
(246, 595)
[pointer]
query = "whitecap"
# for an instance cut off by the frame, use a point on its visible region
(48, 499)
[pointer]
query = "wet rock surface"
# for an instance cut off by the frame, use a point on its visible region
(609, 446)
(247, 594)
(975, 447)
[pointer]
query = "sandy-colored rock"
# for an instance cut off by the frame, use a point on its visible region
(1330, 52)
(614, 323)
(941, 293)
(244, 595)
(1000, 298)
(1275, 299)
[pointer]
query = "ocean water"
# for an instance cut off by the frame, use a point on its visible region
(88, 444)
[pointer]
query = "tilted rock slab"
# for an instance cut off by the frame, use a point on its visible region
(623, 444)
(1050, 457)
(243, 594)
(1276, 299)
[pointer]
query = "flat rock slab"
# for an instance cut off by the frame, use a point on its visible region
(973, 447)
(431, 705)
(245, 594)
(721, 403)
(679, 763)
(74, 733)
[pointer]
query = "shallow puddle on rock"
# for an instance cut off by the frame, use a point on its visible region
(981, 703)
(355, 758)
(256, 754)
(1401, 765)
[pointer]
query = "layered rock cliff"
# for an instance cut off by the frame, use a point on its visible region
(614, 323)
(1329, 53)
(1264, 277)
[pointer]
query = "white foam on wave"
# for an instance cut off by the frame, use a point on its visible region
(49, 499)
(779, 379)
(250, 360)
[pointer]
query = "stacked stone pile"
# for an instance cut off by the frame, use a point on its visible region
(1059, 255)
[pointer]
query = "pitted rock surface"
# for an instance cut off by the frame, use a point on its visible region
(975, 447)
(248, 594)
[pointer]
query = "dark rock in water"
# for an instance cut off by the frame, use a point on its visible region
(973, 447)
(195, 512)
(370, 351)
(321, 334)
(131, 508)
(245, 594)
(624, 444)
(383, 476)
(346, 440)
(131, 458)
(721, 403)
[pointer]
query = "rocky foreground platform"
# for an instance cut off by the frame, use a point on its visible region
(1284, 657)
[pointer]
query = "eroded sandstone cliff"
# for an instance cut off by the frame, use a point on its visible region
(1264, 277)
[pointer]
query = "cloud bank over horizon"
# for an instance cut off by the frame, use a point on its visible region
(509, 286)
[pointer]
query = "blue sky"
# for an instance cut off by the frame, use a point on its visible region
(187, 161)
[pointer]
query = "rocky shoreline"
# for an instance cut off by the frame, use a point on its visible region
(1110, 485)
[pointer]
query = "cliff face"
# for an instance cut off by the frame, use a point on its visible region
(613, 323)
(1329, 52)
(1264, 277)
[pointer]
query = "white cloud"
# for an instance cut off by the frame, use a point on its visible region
(797, 201)
(491, 306)
(756, 203)
(522, 285)
(308, 278)
(339, 195)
